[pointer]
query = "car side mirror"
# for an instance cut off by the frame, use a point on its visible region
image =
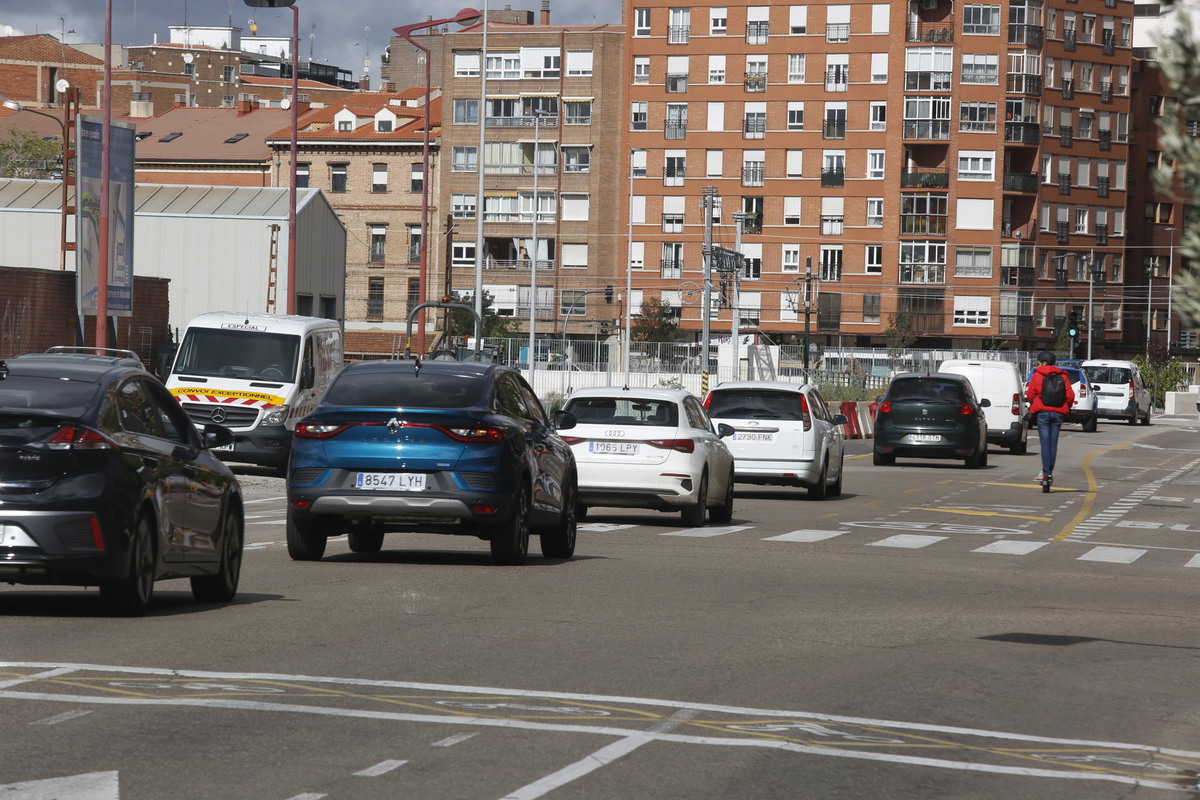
(839, 419)
(879, 399)
(985, 403)
(724, 429)
(216, 435)
(564, 420)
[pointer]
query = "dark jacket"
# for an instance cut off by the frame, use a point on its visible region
(1033, 394)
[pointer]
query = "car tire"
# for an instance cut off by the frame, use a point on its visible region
(820, 489)
(366, 541)
(221, 587)
(1146, 419)
(835, 488)
(1133, 418)
(306, 538)
(131, 595)
(559, 541)
(1018, 448)
(693, 515)
(1089, 424)
(723, 513)
(510, 540)
(581, 511)
(883, 459)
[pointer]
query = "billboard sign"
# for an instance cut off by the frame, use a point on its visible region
(120, 215)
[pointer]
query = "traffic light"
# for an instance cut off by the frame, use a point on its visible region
(1072, 331)
(608, 294)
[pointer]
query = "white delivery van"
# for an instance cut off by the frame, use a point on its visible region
(255, 374)
(1121, 391)
(1002, 384)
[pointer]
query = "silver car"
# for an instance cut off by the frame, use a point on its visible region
(783, 435)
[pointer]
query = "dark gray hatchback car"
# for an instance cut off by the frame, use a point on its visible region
(930, 416)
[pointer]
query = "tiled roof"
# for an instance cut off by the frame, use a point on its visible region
(286, 83)
(204, 133)
(318, 124)
(44, 48)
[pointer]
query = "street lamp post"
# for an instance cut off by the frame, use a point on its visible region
(1170, 282)
(533, 255)
(736, 325)
(1149, 306)
(463, 17)
(291, 237)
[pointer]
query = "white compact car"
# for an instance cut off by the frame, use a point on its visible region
(650, 448)
(1121, 392)
(1083, 410)
(783, 434)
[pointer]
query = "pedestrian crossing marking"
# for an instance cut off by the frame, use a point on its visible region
(1113, 555)
(804, 536)
(1010, 547)
(908, 541)
(706, 533)
(1194, 561)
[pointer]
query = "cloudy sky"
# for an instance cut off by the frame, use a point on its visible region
(341, 32)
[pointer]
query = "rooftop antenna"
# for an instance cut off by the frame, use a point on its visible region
(312, 38)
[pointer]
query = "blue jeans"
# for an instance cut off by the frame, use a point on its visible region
(1048, 424)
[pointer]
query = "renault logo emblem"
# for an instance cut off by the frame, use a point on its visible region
(219, 415)
(394, 425)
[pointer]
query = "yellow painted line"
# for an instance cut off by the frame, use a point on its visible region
(1025, 486)
(1086, 508)
(976, 513)
(873, 503)
(826, 516)
(860, 455)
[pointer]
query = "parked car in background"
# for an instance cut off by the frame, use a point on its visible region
(1121, 391)
(650, 448)
(934, 415)
(998, 382)
(105, 482)
(436, 447)
(783, 435)
(1083, 409)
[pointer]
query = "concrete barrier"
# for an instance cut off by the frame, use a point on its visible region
(866, 420)
(850, 410)
(1181, 404)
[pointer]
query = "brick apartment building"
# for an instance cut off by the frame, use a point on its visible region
(940, 166)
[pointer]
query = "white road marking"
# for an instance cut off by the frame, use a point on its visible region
(1194, 561)
(1113, 555)
(52, 673)
(708, 532)
(590, 763)
(908, 541)
(450, 741)
(804, 536)
(1009, 547)
(89, 786)
(602, 527)
(382, 768)
(308, 796)
(63, 717)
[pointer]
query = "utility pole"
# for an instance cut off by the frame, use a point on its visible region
(735, 326)
(807, 308)
(706, 203)
(1089, 265)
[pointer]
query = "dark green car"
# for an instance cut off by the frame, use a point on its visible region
(930, 416)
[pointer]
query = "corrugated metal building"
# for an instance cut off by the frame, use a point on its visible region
(214, 244)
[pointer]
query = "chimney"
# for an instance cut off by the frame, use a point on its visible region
(545, 20)
(364, 83)
(244, 105)
(387, 86)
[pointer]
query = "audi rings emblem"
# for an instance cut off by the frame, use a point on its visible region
(219, 415)
(616, 434)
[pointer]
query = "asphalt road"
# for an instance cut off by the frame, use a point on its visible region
(936, 632)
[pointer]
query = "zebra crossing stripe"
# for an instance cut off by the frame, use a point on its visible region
(1113, 555)
(1194, 561)
(1010, 547)
(908, 541)
(705, 533)
(804, 536)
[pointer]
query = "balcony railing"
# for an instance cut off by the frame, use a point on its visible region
(676, 129)
(1021, 132)
(934, 33)
(1024, 83)
(754, 128)
(1068, 89)
(926, 129)
(1106, 91)
(833, 177)
(1101, 234)
(1069, 39)
(1062, 232)
(544, 123)
(679, 34)
(922, 273)
(932, 178)
(1065, 135)
(1016, 325)
(833, 130)
(1016, 276)
(922, 225)
(926, 81)
(1064, 183)
(1028, 35)
(1020, 182)
(1106, 140)
(1102, 186)
(756, 81)
(752, 175)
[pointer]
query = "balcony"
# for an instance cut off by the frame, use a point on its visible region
(1019, 325)
(1101, 234)
(1024, 83)
(1069, 39)
(1109, 43)
(1022, 133)
(1016, 276)
(931, 178)
(543, 123)
(1064, 183)
(1106, 91)
(676, 129)
(833, 177)
(1102, 186)
(1106, 140)
(1027, 35)
(923, 273)
(938, 130)
(926, 81)
(1062, 232)
(833, 130)
(756, 82)
(1021, 182)
(1068, 89)
(1065, 135)
(931, 32)
(922, 225)
(837, 32)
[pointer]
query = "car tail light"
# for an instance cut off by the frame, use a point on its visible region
(884, 408)
(572, 439)
(707, 401)
(77, 437)
(469, 433)
(97, 539)
(680, 445)
(1082, 392)
(965, 408)
(804, 411)
(1016, 405)
(320, 430)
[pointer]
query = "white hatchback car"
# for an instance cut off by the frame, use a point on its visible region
(1121, 391)
(650, 448)
(783, 434)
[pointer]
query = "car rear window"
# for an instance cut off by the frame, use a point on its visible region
(405, 390)
(925, 390)
(1108, 374)
(755, 404)
(27, 391)
(624, 411)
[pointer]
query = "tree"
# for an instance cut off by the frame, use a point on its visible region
(491, 326)
(24, 154)
(656, 322)
(899, 334)
(1162, 374)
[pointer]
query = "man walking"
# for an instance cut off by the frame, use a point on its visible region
(1050, 397)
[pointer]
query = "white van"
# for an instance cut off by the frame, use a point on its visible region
(1001, 383)
(1121, 392)
(255, 374)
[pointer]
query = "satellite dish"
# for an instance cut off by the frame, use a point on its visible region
(285, 103)
(367, 63)
(187, 58)
(61, 85)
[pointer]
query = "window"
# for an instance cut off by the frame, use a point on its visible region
(462, 206)
(718, 21)
(753, 167)
(714, 163)
(466, 112)
(716, 69)
(378, 244)
(837, 72)
(505, 64)
(337, 178)
(791, 258)
(672, 260)
(797, 19)
(579, 62)
(189, 69)
(540, 62)
(879, 67)
(874, 212)
(873, 260)
(375, 289)
(572, 302)
(981, 68)
(578, 112)
(833, 217)
(674, 167)
(977, 117)
(976, 165)
(794, 163)
(756, 74)
(981, 20)
(301, 175)
(416, 178)
(466, 64)
(676, 120)
(575, 207)
(345, 125)
(796, 64)
(831, 263)
(871, 309)
(974, 311)
(752, 264)
(677, 73)
(577, 158)
(973, 262)
(757, 24)
(837, 24)
(716, 116)
(641, 69)
(875, 163)
(795, 115)
(384, 124)
(464, 159)
(637, 116)
(641, 22)
(878, 115)
(637, 163)
(754, 121)
(679, 27)
(227, 74)
(791, 211)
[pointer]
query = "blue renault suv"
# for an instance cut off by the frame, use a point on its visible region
(433, 447)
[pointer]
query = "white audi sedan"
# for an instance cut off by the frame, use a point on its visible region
(783, 435)
(650, 448)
